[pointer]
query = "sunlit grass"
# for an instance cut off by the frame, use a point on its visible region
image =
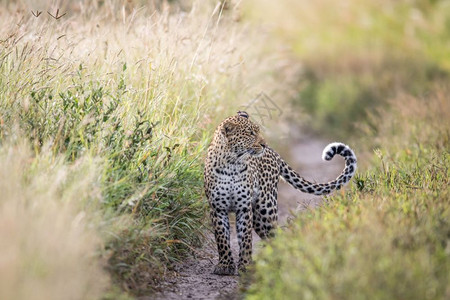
(48, 226)
(138, 89)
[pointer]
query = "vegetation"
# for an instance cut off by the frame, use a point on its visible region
(106, 108)
(357, 54)
(46, 209)
(387, 236)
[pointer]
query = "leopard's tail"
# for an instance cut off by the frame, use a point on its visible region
(329, 152)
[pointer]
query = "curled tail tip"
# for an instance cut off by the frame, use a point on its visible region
(332, 149)
(337, 148)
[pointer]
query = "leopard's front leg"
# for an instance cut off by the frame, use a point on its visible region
(221, 227)
(244, 221)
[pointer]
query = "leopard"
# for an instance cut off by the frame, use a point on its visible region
(241, 176)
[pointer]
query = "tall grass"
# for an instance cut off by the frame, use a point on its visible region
(50, 246)
(136, 89)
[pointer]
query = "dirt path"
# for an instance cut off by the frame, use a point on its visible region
(193, 279)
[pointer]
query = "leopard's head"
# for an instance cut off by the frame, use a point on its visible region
(242, 135)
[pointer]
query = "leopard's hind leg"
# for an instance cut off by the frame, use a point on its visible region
(265, 214)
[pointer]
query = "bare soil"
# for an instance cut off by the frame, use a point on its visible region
(193, 278)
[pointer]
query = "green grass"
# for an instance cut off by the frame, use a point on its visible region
(341, 99)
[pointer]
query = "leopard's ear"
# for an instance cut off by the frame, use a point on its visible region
(243, 114)
(228, 128)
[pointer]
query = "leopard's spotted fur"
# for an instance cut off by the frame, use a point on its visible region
(241, 176)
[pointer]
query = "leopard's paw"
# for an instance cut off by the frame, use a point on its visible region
(221, 269)
(243, 268)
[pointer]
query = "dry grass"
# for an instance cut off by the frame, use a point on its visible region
(179, 67)
(49, 239)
